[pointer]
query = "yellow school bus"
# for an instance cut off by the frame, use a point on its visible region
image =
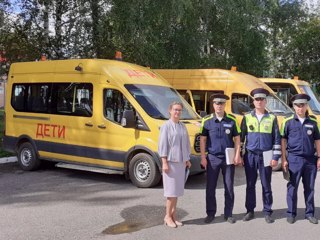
(286, 88)
(90, 114)
(197, 85)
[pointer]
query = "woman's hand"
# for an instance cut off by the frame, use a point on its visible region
(165, 167)
(188, 164)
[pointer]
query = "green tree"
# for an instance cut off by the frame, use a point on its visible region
(282, 20)
(234, 35)
(157, 33)
(305, 51)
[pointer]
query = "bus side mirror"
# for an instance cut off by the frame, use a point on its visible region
(128, 119)
(203, 114)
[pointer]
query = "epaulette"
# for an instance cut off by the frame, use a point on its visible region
(313, 117)
(208, 116)
(289, 116)
(231, 115)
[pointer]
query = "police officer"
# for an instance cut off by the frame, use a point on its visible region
(218, 132)
(260, 134)
(300, 135)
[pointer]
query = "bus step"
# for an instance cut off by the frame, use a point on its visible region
(87, 168)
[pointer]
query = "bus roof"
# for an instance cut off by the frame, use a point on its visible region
(205, 79)
(122, 72)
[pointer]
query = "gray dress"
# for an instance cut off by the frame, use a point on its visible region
(175, 145)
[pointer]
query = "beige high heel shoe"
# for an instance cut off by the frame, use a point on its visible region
(169, 223)
(178, 223)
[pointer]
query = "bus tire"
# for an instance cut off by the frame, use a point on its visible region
(27, 157)
(143, 171)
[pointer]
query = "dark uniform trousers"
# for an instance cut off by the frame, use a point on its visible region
(252, 163)
(213, 169)
(301, 167)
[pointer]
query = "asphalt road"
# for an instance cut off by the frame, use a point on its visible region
(55, 203)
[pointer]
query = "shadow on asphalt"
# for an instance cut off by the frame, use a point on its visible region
(51, 184)
(277, 215)
(140, 217)
(194, 182)
(199, 181)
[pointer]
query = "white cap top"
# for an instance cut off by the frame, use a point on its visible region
(259, 95)
(219, 100)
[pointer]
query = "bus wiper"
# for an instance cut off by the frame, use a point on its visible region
(186, 119)
(276, 112)
(160, 117)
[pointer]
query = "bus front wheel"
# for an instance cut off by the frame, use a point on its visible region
(27, 157)
(143, 171)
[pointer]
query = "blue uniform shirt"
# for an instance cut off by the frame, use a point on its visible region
(261, 136)
(300, 137)
(219, 134)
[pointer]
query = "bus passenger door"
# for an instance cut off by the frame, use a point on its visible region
(115, 139)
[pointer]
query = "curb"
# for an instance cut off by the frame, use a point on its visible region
(8, 160)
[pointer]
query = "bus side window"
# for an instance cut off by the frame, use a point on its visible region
(31, 97)
(115, 104)
(18, 97)
(241, 104)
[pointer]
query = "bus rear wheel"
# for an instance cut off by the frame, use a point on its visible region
(27, 157)
(143, 171)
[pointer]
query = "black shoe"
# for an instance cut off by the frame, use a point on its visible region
(268, 219)
(291, 220)
(312, 220)
(231, 220)
(249, 216)
(209, 219)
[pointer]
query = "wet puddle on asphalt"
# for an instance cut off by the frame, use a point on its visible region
(140, 217)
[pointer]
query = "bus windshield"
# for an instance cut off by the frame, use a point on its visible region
(155, 100)
(313, 103)
(276, 106)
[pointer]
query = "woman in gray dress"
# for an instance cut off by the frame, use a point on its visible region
(174, 150)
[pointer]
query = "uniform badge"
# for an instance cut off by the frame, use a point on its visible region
(266, 128)
(309, 132)
(227, 131)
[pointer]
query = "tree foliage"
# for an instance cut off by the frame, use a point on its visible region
(273, 37)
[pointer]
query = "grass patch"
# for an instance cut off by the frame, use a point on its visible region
(2, 152)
